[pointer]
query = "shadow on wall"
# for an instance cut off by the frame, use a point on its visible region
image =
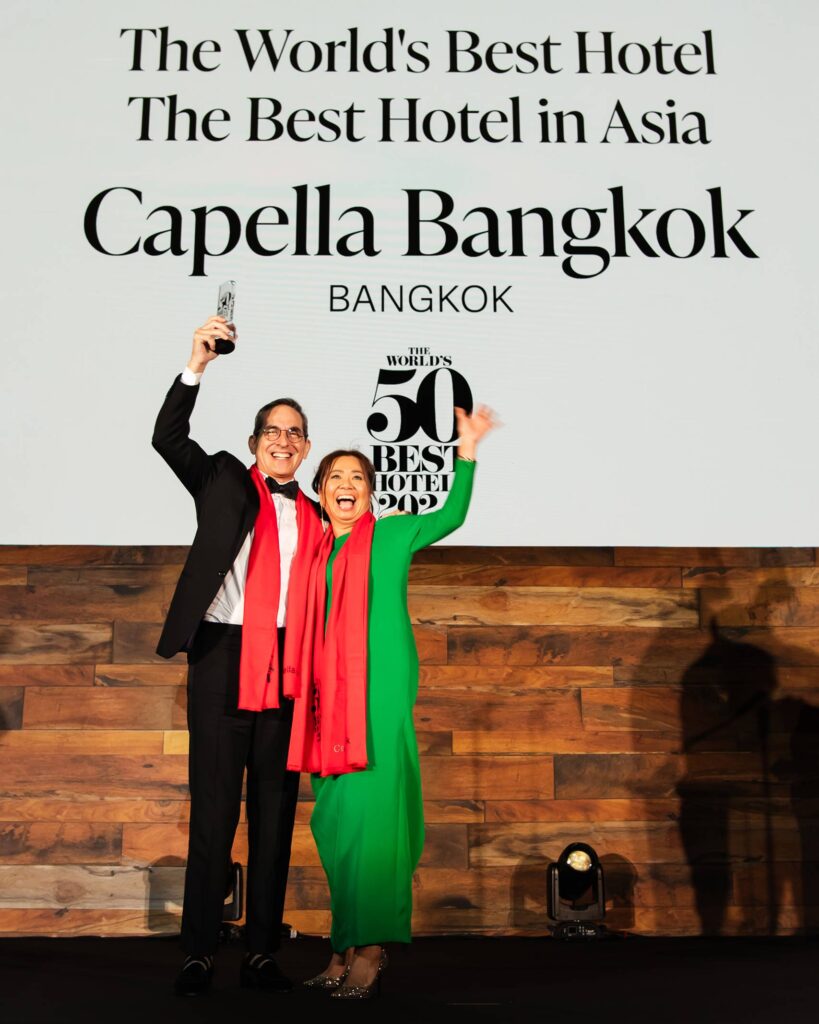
(749, 790)
(527, 910)
(620, 878)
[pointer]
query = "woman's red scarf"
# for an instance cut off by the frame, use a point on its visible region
(329, 733)
(259, 665)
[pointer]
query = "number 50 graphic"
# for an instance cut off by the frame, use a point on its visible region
(404, 407)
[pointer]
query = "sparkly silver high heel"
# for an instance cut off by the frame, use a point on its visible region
(324, 983)
(363, 991)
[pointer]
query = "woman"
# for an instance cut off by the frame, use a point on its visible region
(354, 694)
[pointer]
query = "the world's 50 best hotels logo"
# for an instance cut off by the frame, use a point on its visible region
(413, 427)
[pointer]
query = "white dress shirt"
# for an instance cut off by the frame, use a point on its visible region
(229, 604)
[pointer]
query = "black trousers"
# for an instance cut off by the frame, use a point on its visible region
(225, 741)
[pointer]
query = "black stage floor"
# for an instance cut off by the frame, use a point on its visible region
(448, 979)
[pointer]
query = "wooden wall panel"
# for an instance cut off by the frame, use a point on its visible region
(659, 703)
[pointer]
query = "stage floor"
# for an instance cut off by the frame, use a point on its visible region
(447, 979)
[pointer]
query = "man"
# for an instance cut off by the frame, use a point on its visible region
(245, 574)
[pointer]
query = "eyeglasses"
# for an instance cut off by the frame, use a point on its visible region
(293, 434)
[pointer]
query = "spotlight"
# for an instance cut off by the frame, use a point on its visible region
(576, 893)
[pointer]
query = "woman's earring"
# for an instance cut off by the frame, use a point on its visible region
(375, 506)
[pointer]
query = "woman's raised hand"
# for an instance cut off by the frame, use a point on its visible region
(471, 429)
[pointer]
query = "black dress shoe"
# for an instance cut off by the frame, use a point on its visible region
(259, 970)
(195, 976)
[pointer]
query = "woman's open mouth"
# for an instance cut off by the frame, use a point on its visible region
(345, 503)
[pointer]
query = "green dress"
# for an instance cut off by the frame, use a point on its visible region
(369, 825)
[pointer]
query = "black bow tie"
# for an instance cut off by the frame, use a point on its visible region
(288, 490)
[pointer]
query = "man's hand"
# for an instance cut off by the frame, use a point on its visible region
(204, 349)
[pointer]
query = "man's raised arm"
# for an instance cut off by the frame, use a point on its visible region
(171, 436)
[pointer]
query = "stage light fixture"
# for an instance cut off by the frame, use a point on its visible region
(576, 895)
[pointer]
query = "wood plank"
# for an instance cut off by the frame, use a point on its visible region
(93, 808)
(579, 576)
(445, 846)
(467, 920)
(90, 887)
(431, 644)
(539, 843)
(511, 678)
(151, 777)
(787, 556)
(649, 709)
(78, 923)
(140, 708)
(582, 811)
(103, 575)
(306, 887)
(303, 852)
(13, 575)
(56, 643)
(556, 711)
(476, 889)
(774, 605)
(754, 812)
(46, 675)
(176, 742)
(30, 743)
(89, 554)
(704, 717)
(788, 576)
(434, 741)
(46, 842)
(145, 843)
(733, 557)
(135, 643)
(637, 841)
(514, 556)
(453, 811)
(670, 648)
(168, 673)
(487, 778)
(523, 606)
(701, 673)
(11, 707)
(85, 602)
(534, 741)
(702, 775)
(568, 646)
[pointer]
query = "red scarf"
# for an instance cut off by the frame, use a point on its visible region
(329, 733)
(259, 665)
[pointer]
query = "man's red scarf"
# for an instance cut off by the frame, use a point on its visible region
(259, 665)
(329, 733)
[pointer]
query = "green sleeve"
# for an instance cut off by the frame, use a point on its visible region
(435, 525)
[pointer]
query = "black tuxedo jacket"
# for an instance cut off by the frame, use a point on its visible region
(226, 508)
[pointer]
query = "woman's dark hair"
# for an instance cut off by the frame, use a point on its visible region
(326, 464)
(261, 415)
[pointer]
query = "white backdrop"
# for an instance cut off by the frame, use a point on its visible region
(663, 401)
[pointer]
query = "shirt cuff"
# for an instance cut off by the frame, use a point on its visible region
(190, 378)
